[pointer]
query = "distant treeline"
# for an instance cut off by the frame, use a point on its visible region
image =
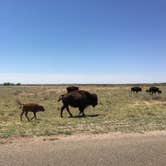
(11, 84)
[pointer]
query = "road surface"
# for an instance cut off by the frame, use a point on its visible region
(98, 150)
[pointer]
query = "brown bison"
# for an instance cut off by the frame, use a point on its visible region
(136, 89)
(79, 99)
(71, 88)
(30, 107)
(154, 90)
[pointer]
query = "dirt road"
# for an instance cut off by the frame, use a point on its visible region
(99, 150)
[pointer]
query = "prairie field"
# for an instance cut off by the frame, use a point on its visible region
(117, 110)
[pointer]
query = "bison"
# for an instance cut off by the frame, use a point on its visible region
(136, 89)
(153, 90)
(30, 107)
(78, 99)
(71, 88)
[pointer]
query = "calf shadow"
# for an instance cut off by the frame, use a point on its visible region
(86, 116)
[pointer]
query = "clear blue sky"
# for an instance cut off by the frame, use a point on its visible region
(87, 41)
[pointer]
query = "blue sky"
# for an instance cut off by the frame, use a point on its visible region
(83, 41)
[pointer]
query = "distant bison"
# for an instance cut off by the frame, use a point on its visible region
(153, 90)
(30, 107)
(79, 99)
(136, 89)
(71, 88)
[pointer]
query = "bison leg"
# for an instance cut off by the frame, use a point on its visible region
(34, 113)
(81, 111)
(62, 108)
(67, 108)
(26, 114)
(21, 115)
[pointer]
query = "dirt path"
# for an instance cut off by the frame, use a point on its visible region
(114, 149)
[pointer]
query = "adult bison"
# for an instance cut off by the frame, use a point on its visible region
(71, 88)
(79, 99)
(153, 90)
(136, 89)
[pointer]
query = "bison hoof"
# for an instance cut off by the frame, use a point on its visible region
(81, 115)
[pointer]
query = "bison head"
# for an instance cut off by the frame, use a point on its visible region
(41, 108)
(94, 100)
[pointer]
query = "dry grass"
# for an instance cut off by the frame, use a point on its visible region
(117, 110)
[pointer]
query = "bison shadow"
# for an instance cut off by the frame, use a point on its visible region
(86, 116)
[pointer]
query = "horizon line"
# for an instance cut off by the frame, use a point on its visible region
(137, 83)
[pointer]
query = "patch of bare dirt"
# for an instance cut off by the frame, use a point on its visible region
(113, 135)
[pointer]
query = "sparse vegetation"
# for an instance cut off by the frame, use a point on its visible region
(118, 110)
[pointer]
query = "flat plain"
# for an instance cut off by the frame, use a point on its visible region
(117, 110)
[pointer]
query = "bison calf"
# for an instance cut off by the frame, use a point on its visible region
(80, 99)
(30, 107)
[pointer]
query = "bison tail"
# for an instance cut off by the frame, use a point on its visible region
(60, 98)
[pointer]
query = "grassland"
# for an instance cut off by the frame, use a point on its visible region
(117, 110)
